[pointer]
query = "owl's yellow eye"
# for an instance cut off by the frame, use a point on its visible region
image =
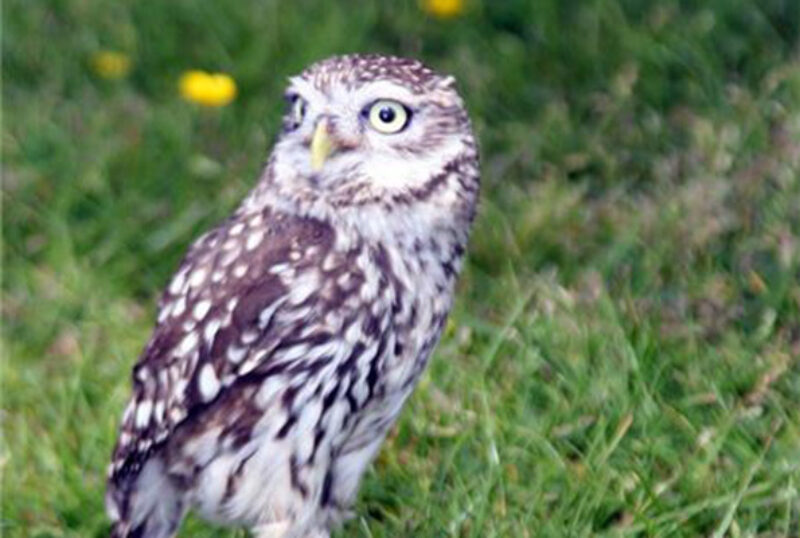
(387, 116)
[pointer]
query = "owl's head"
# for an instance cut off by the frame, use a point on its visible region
(369, 130)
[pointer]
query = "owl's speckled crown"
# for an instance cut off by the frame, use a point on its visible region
(354, 70)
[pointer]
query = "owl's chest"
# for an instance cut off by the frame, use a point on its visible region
(413, 288)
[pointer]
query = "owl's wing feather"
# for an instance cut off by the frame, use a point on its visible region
(217, 324)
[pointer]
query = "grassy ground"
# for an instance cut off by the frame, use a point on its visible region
(624, 356)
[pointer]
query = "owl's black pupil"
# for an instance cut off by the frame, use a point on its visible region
(386, 114)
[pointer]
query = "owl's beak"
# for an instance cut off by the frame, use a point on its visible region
(322, 145)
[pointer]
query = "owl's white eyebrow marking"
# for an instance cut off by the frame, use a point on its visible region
(385, 89)
(304, 88)
(361, 96)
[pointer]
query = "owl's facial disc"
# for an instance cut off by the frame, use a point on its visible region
(374, 133)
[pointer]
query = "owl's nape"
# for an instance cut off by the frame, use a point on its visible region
(292, 333)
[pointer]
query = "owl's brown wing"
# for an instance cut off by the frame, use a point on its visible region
(249, 300)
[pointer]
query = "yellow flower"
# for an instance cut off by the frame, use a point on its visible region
(110, 64)
(207, 89)
(444, 9)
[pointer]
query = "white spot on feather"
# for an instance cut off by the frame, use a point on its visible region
(126, 415)
(252, 362)
(343, 280)
(159, 411)
(269, 389)
(208, 382)
(279, 268)
(236, 229)
(229, 257)
(239, 271)
(228, 380)
(178, 306)
(197, 277)
(360, 391)
(164, 312)
(236, 354)
(329, 262)
(249, 337)
(210, 330)
(187, 344)
(303, 287)
(293, 353)
(369, 289)
(143, 411)
(201, 309)
(177, 282)
(353, 333)
(143, 374)
(266, 315)
(254, 239)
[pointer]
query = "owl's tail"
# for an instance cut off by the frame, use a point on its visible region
(148, 506)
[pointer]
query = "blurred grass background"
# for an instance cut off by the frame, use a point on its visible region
(624, 355)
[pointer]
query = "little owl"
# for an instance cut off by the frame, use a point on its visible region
(292, 333)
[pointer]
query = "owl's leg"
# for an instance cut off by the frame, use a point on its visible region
(151, 507)
(348, 468)
(284, 529)
(271, 530)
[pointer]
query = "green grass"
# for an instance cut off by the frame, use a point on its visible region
(624, 354)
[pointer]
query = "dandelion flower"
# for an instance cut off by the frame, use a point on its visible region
(443, 9)
(207, 89)
(111, 65)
